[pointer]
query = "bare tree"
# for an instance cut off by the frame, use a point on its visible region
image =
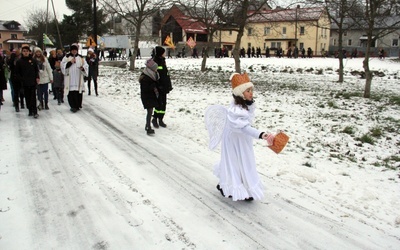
(237, 15)
(36, 22)
(204, 12)
(378, 22)
(339, 13)
(134, 12)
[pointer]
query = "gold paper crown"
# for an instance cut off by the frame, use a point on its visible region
(238, 79)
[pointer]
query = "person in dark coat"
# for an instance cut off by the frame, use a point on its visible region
(27, 72)
(148, 91)
(3, 80)
(164, 87)
(58, 83)
(18, 92)
(93, 63)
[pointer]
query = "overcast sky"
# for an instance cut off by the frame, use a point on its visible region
(18, 9)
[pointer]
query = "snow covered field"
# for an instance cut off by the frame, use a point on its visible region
(95, 180)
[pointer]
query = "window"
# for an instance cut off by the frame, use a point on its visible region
(301, 45)
(334, 41)
(349, 42)
(395, 42)
(267, 31)
(284, 31)
(302, 30)
(275, 45)
(344, 33)
(14, 36)
(249, 31)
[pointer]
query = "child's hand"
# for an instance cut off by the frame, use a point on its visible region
(269, 138)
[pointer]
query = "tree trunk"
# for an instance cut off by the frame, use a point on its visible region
(236, 50)
(340, 55)
(368, 73)
(135, 47)
(204, 61)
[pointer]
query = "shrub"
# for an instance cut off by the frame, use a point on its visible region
(367, 139)
(348, 130)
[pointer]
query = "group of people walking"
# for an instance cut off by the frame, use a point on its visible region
(33, 76)
(236, 170)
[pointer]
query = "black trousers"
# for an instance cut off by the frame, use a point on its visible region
(159, 110)
(94, 81)
(18, 95)
(75, 99)
(30, 97)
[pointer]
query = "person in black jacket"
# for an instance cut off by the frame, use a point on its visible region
(27, 72)
(164, 87)
(93, 63)
(3, 80)
(148, 91)
(18, 92)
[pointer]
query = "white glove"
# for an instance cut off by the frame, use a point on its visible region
(269, 138)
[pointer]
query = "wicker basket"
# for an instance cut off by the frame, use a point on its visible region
(280, 141)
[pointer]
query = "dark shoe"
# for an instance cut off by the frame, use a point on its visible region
(220, 189)
(154, 122)
(149, 130)
(59, 103)
(17, 109)
(22, 106)
(35, 116)
(55, 98)
(30, 114)
(73, 110)
(162, 124)
(46, 106)
(249, 199)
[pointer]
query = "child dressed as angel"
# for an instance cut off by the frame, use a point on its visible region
(232, 126)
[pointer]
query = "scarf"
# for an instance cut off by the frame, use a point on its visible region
(153, 75)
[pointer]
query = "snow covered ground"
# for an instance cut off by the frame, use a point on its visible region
(95, 180)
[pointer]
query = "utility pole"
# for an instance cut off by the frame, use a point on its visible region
(95, 25)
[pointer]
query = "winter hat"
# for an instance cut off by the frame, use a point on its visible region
(151, 64)
(25, 46)
(74, 46)
(160, 51)
(240, 82)
(37, 49)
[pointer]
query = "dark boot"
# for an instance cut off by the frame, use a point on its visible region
(161, 123)
(22, 104)
(46, 106)
(41, 105)
(17, 108)
(149, 130)
(155, 124)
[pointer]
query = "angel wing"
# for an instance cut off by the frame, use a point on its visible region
(215, 120)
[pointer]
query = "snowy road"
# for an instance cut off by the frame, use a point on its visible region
(94, 180)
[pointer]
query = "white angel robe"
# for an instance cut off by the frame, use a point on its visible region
(236, 170)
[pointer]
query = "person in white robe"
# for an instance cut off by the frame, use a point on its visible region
(74, 67)
(236, 170)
